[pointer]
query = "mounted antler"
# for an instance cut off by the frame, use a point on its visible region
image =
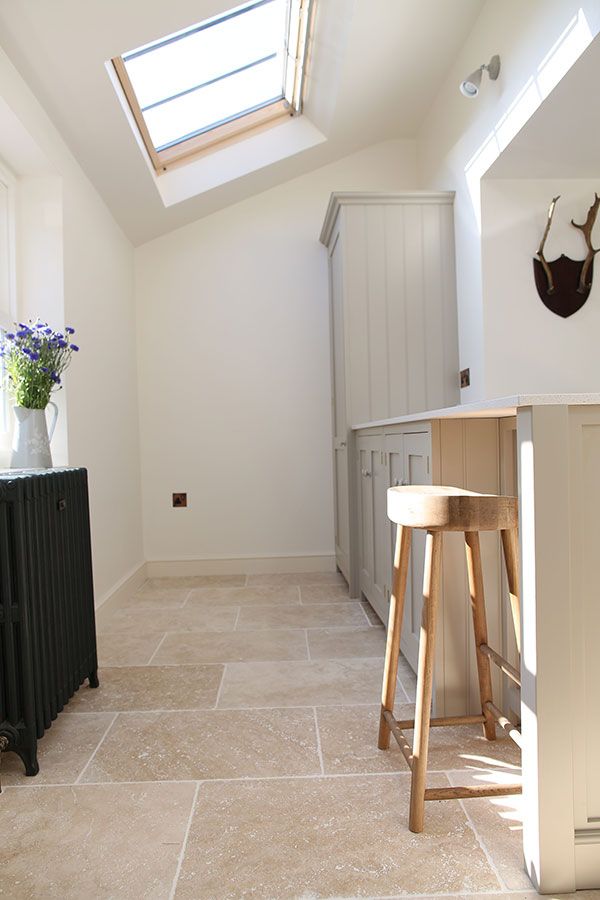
(586, 228)
(540, 252)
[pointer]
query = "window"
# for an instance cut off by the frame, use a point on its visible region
(223, 77)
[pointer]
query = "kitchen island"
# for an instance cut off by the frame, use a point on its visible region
(548, 446)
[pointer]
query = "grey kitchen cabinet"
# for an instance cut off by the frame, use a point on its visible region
(476, 454)
(394, 344)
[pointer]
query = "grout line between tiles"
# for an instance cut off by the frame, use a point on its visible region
(307, 645)
(192, 709)
(237, 618)
(362, 609)
(189, 594)
(240, 779)
(401, 773)
(318, 737)
(100, 742)
(184, 843)
(481, 842)
(160, 643)
(218, 697)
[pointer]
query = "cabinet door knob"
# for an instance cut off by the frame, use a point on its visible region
(399, 482)
(365, 473)
(342, 444)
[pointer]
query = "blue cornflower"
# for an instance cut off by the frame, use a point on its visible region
(75, 348)
(44, 368)
(10, 336)
(23, 332)
(62, 343)
(26, 351)
(54, 377)
(47, 331)
(41, 324)
(34, 355)
(69, 330)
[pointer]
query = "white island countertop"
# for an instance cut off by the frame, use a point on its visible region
(497, 407)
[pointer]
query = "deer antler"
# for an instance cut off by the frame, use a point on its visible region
(540, 252)
(586, 228)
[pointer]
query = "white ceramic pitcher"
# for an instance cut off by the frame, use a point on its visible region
(31, 440)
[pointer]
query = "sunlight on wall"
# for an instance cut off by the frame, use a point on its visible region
(562, 55)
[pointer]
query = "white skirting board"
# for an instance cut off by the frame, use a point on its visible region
(124, 588)
(157, 568)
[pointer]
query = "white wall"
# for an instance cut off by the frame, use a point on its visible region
(76, 267)
(234, 370)
(460, 138)
(528, 348)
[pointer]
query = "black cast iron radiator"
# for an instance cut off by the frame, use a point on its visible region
(47, 625)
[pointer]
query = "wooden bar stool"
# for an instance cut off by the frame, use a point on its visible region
(438, 509)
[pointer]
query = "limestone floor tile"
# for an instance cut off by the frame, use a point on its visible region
(325, 837)
(348, 737)
(156, 598)
(508, 895)
(150, 687)
(126, 649)
(317, 683)
(158, 621)
(317, 615)
(349, 745)
(63, 751)
(266, 595)
(332, 643)
(93, 841)
(196, 581)
(231, 646)
(323, 593)
(297, 578)
(214, 744)
(499, 823)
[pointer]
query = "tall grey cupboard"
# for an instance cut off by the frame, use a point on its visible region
(394, 345)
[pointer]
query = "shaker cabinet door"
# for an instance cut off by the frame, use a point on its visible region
(417, 470)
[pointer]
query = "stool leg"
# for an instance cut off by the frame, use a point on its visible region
(484, 672)
(431, 589)
(392, 649)
(510, 543)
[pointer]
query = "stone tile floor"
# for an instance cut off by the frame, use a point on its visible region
(230, 752)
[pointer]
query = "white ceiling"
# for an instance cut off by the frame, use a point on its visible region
(386, 59)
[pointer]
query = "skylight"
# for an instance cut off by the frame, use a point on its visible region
(206, 84)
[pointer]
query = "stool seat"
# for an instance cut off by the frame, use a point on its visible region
(439, 508)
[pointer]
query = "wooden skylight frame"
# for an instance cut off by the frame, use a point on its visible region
(244, 124)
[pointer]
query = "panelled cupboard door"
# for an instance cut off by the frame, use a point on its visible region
(372, 522)
(338, 353)
(338, 407)
(394, 452)
(417, 470)
(342, 511)
(364, 446)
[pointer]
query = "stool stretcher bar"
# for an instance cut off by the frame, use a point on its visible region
(501, 663)
(456, 793)
(509, 727)
(480, 790)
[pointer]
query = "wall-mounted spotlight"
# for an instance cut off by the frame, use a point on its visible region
(470, 86)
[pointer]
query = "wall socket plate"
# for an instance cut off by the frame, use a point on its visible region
(179, 500)
(465, 378)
